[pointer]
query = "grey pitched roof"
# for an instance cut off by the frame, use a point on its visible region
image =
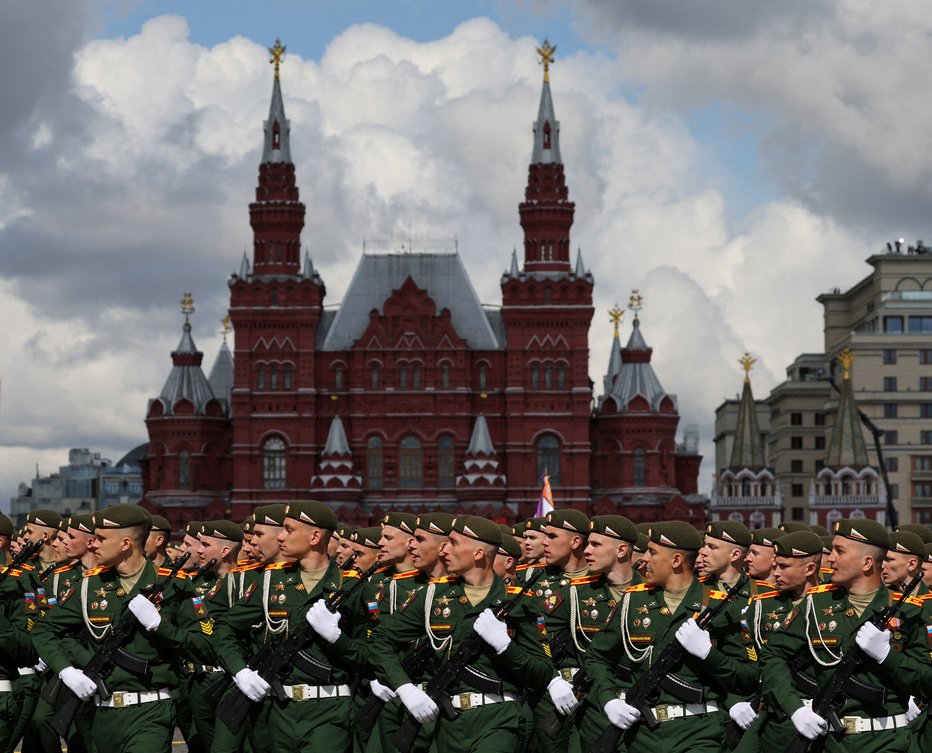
(277, 115)
(221, 374)
(748, 449)
(580, 267)
(481, 441)
(336, 439)
(847, 445)
(186, 380)
(636, 376)
(441, 275)
(614, 365)
(545, 114)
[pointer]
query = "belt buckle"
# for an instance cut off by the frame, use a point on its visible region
(567, 674)
(118, 700)
(297, 692)
(663, 714)
(465, 700)
(851, 724)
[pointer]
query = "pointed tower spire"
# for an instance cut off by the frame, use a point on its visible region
(614, 359)
(847, 446)
(336, 470)
(308, 265)
(748, 450)
(580, 267)
(480, 463)
(186, 381)
(514, 263)
(546, 212)
(244, 267)
(277, 147)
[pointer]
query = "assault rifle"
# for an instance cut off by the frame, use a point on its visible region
(414, 665)
(26, 553)
(823, 702)
(112, 652)
(671, 656)
(439, 686)
(200, 571)
(269, 661)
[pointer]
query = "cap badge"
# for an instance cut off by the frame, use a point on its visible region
(855, 534)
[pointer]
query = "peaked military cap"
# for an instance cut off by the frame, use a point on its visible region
(438, 523)
(907, 542)
(312, 512)
(6, 526)
(791, 526)
(222, 529)
(820, 530)
(367, 537)
(160, 523)
(569, 520)
(798, 544)
(122, 516)
(535, 524)
(480, 529)
(865, 531)
(729, 531)
(346, 531)
(404, 521)
(509, 546)
(249, 524)
(766, 536)
(641, 546)
(83, 522)
(517, 529)
(643, 527)
(615, 526)
(923, 532)
(270, 515)
(193, 528)
(827, 543)
(47, 518)
(676, 534)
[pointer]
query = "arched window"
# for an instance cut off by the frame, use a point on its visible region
(548, 457)
(184, 470)
(445, 461)
(274, 297)
(416, 377)
(410, 463)
(374, 463)
(640, 467)
(535, 377)
(561, 377)
(483, 376)
(260, 379)
(445, 376)
(402, 377)
(338, 378)
(273, 464)
(289, 376)
(548, 377)
(277, 135)
(547, 134)
(374, 377)
(547, 294)
(746, 488)
(273, 378)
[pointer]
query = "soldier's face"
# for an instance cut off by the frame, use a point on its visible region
(759, 560)
(792, 573)
(558, 545)
(365, 557)
(210, 548)
(602, 552)
(533, 545)
(424, 548)
(344, 550)
(58, 548)
(849, 560)
(295, 538)
(265, 539)
(393, 545)
(458, 553)
(714, 557)
(74, 543)
(154, 540)
(109, 545)
(658, 565)
(896, 567)
(190, 545)
(333, 546)
(927, 573)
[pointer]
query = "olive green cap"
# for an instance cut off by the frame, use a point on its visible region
(47, 518)
(820, 530)
(6, 526)
(535, 524)
(643, 527)
(480, 529)
(792, 526)
(865, 531)
(193, 528)
(222, 529)
(437, 523)
(346, 531)
(83, 522)
(616, 526)
(827, 543)
(270, 515)
(367, 537)
(312, 512)
(766, 536)
(509, 546)
(641, 546)
(569, 520)
(923, 532)
(403, 521)
(249, 523)
(517, 529)
(907, 542)
(798, 544)
(122, 516)
(676, 534)
(929, 552)
(160, 523)
(729, 531)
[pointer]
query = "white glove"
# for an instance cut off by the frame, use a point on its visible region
(382, 692)
(694, 639)
(562, 695)
(743, 714)
(912, 710)
(493, 631)
(41, 666)
(324, 622)
(620, 713)
(873, 641)
(808, 723)
(418, 703)
(78, 682)
(251, 684)
(145, 612)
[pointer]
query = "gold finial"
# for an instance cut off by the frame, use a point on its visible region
(277, 52)
(187, 306)
(227, 326)
(635, 303)
(748, 363)
(546, 52)
(846, 358)
(616, 315)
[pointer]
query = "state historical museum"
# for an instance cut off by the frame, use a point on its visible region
(412, 394)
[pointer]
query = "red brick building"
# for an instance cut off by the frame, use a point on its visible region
(412, 394)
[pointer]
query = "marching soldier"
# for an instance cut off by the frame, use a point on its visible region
(720, 563)
(533, 545)
(507, 557)
(903, 560)
(15, 648)
(157, 543)
(345, 545)
(365, 545)
(759, 559)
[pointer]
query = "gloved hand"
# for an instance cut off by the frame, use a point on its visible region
(912, 710)
(251, 684)
(145, 612)
(808, 723)
(324, 622)
(422, 708)
(694, 639)
(743, 714)
(78, 682)
(562, 695)
(620, 713)
(493, 631)
(41, 666)
(382, 692)
(873, 641)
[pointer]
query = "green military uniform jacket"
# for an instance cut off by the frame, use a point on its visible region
(15, 647)
(443, 608)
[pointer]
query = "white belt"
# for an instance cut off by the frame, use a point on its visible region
(857, 724)
(568, 673)
(470, 700)
(316, 692)
(6, 686)
(24, 671)
(122, 698)
(666, 712)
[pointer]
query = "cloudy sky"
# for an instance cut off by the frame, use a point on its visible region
(730, 160)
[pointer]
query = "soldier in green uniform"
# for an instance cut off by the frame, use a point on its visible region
(533, 545)
(317, 710)
(431, 532)
(6, 536)
(157, 543)
(825, 571)
(345, 545)
(507, 557)
(903, 561)
(447, 611)
(717, 668)
(794, 526)
(824, 625)
(923, 532)
(365, 546)
(724, 549)
(139, 714)
(759, 559)
(927, 568)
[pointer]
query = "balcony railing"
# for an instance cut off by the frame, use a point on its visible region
(846, 500)
(769, 502)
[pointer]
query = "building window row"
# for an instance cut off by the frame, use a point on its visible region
(548, 376)
(408, 376)
(914, 325)
(275, 376)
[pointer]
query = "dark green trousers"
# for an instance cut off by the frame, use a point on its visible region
(145, 728)
(318, 726)
(695, 734)
(495, 728)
